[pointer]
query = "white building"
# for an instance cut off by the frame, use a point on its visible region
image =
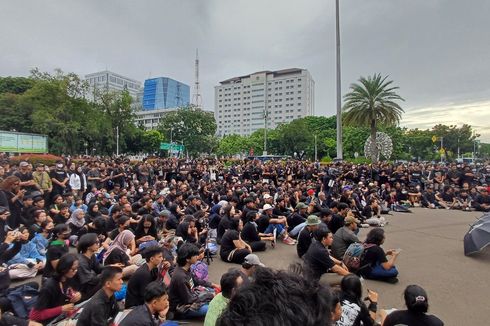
(150, 119)
(109, 81)
(241, 103)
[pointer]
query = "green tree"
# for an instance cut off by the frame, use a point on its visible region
(372, 103)
(233, 144)
(191, 126)
(15, 85)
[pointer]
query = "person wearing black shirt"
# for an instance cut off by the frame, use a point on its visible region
(89, 268)
(374, 264)
(56, 248)
(354, 310)
(306, 235)
(251, 235)
(60, 180)
(297, 217)
(182, 284)
(145, 274)
(102, 308)
(233, 249)
(417, 304)
(153, 312)
(58, 293)
(317, 259)
(337, 220)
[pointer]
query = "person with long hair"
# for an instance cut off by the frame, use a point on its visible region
(122, 251)
(58, 294)
(375, 265)
(417, 303)
(146, 230)
(233, 249)
(354, 309)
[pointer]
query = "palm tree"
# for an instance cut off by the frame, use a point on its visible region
(372, 103)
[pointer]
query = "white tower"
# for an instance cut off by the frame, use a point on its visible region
(196, 97)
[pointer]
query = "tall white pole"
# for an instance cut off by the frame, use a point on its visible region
(117, 140)
(339, 99)
(316, 151)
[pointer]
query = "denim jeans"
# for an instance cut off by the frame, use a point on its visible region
(297, 229)
(378, 272)
(279, 229)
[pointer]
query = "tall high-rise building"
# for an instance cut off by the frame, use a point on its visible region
(165, 93)
(263, 99)
(110, 81)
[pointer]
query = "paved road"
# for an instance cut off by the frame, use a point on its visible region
(432, 256)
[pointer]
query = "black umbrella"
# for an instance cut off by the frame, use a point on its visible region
(484, 218)
(478, 237)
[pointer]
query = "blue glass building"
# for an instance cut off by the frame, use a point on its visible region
(165, 93)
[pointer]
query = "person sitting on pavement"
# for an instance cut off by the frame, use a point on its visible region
(252, 236)
(268, 223)
(297, 218)
(482, 201)
(372, 213)
(249, 266)
(143, 276)
(153, 312)
(429, 199)
(337, 220)
(446, 198)
(102, 309)
(344, 237)
(374, 263)
(58, 294)
(233, 249)
(417, 304)
(230, 282)
(317, 259)
(354, 310)
(306, 235)
(185, 302)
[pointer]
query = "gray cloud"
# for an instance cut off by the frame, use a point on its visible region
(435, 50)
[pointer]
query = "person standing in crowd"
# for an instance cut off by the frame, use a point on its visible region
(229, 283)
(11, 197)
(59, 179)
(102, 309)
(417, 303)
(43, 181)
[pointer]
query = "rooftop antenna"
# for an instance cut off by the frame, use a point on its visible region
(196, 97)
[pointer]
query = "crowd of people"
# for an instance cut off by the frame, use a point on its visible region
(108, 234)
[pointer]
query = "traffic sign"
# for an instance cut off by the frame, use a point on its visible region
(172, 147)
(434, 139)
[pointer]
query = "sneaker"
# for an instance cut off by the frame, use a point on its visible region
(364, 225)
(289, 241)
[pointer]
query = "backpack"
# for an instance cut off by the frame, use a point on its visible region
(354, 255)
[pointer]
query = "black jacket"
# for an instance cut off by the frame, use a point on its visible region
(139, 316)
(99, 311)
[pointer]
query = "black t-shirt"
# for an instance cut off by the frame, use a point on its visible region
(135, 294)
(227, 244)
(263, 222)
(250, 233)
(223, 225)
(335, 223)
(54, 252)
(405, 317)
(317, 260)
(373, 256)
(304, 241)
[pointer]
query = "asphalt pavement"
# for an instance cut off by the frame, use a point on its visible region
(432, 256)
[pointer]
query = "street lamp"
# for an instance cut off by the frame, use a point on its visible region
(339, 99)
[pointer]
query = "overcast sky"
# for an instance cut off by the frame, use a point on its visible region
(436, 51)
